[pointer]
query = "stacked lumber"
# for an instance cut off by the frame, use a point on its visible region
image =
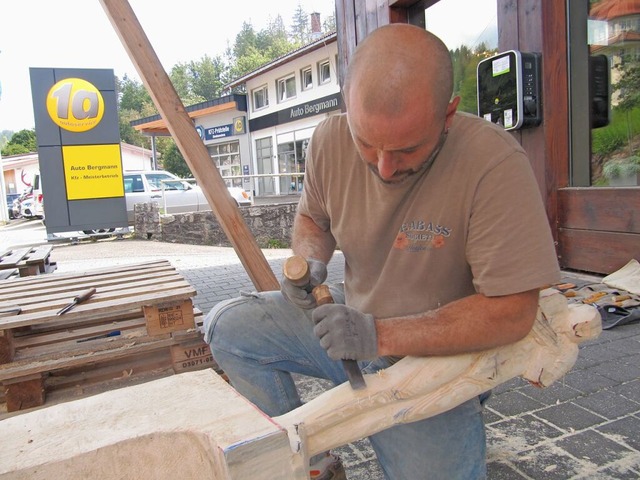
(140, 323)
(26, 261)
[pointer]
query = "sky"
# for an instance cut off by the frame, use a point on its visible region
(78, 34)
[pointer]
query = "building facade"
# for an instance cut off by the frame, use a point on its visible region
(258, 139)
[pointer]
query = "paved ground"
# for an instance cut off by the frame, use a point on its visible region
(586, 426)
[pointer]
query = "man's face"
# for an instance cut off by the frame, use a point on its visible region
(395, 149)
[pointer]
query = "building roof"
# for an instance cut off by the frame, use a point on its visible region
(309, 47)
(610, 9)
(155, 124)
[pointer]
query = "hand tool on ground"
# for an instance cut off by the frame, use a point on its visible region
(10, 310)
(83, 297)
(115, 333)
(296, 270)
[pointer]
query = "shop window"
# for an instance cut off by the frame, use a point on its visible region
(226, 157)
(286, 88)
(264, 152)
(324, 72)
(615, 111)
(260, 98)
(306, 79)
(292, 158)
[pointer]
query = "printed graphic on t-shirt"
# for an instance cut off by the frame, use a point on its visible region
(419, 235)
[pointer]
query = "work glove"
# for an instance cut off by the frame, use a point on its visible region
(301, 296)
(345, 333)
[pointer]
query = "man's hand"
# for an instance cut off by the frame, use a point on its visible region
(301, 295)
(345, 333)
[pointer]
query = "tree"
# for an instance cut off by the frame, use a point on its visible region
(21, 142)
(173, 161)
(300, 30)
(628, 92)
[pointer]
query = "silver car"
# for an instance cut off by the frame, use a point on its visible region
(173, 194)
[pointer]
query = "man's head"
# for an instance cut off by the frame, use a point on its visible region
(397, 91)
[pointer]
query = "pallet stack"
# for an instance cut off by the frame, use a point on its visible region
(139, 324)
(26, 261)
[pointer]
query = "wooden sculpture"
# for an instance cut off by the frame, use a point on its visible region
(195, 424)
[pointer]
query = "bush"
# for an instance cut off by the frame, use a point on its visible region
(623, 167)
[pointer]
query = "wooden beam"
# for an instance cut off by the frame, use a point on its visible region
(188, 141)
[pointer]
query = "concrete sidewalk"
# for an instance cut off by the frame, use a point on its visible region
(584, 427)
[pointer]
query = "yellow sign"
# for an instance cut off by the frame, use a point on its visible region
(92, 171)
(75, 105)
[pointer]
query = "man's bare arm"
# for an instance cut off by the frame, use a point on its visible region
(310, 241)
(470, 324)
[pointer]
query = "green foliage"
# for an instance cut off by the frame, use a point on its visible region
(465, 62)
(623, 125)
(198, 81)
(275, 243)
(173, 162)
(21, 142)
(204, 79)
(300, 29)
(623, 167)
(132, 95)
(627, 85)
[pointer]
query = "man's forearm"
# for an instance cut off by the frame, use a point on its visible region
(310, 241)
(470, 324)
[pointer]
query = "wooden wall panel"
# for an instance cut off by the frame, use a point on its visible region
(596, 252)
(601, 209)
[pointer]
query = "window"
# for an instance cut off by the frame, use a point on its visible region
(260, 98)
(305, 78)
(226, 156)
(324, 72)
(286, 88)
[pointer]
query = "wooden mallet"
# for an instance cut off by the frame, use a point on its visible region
(296, 270)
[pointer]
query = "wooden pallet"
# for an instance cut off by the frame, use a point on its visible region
(140, 319)
(27, 261)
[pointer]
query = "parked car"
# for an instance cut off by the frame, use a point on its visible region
(32, 206)
(11, 197)
(173, 194)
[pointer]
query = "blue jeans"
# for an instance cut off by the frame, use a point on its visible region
(259, 339)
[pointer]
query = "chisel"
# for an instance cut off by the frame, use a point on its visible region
(296, 270)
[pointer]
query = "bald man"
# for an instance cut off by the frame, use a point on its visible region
(445, 240)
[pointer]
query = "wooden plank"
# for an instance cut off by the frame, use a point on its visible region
(46, 281)
(8, 273)
(98, 309)
(100, 352)
(7, 346)
(44, 298)
(24, 393)
(39, 254)
(169, 317)
(190, 356)
(189, 143)
(12, 257)
(604, 209)
(597, 252)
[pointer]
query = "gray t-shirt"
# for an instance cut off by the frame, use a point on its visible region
(472, 223)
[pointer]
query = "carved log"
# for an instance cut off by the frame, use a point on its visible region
(194, 424)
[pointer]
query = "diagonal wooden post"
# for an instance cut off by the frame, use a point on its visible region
(188, 141)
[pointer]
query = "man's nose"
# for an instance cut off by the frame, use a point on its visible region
(386, 164)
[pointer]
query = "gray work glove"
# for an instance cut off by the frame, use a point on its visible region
(301, 296)
(345, 333)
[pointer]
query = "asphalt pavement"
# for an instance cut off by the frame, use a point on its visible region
(585, 426)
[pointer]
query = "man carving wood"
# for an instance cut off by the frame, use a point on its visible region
(446, 246)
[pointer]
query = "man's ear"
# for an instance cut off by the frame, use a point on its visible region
(452, 108)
